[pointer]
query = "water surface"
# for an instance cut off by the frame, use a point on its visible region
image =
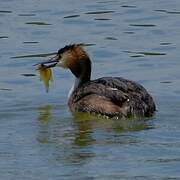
(40, 138)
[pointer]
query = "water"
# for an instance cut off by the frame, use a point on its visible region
(40, 138)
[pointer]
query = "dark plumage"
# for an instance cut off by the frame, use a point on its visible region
(112, 97)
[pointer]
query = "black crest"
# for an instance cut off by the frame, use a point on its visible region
(68, 47)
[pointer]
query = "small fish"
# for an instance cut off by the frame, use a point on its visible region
(45, 75)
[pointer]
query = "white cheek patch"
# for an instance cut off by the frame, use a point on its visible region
(61, 63)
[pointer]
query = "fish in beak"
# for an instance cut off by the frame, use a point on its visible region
(45, 71)
(48, 64)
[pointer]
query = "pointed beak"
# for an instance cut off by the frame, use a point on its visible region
(50, 63)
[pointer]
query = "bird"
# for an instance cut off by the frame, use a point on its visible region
(107, 96)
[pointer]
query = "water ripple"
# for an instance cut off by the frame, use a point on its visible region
(99, 12)
(72, 16)
(38, 23)
(102, 19)
(143, 25)
(34, 55)
(128, 6)
(28, 15)
(5, 11)
(4, 37)
(146, 53)
(168, 12)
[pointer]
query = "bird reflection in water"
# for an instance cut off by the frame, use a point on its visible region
(67, 138)
(79, 130)
(72, 139)
(43, 120)
(90, 123)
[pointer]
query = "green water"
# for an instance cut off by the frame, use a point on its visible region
(40, 138)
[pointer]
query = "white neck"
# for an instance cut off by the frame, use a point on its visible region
(75, 85)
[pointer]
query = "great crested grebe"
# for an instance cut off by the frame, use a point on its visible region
(109, 96)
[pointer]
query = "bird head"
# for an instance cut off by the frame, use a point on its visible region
(72, 57)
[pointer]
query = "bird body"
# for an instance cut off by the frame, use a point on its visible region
(109, 96)
(112, 96)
